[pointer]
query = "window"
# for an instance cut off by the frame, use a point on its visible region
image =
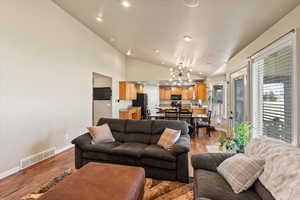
(273, 90)
(218, 94)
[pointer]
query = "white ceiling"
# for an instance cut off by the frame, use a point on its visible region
(220, 28)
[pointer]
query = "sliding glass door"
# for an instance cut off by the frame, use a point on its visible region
(239, 96)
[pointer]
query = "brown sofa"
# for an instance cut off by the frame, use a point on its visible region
(208, 183)
(136, 145)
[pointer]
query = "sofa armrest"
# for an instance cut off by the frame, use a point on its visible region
(82, 140)
(209, 161)
(182, 145)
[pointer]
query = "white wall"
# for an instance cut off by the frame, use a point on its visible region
(137, 70)
(46, 65)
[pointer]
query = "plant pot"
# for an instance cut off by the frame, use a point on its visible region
(240, 149)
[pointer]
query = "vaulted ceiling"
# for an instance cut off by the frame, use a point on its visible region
(154, 30)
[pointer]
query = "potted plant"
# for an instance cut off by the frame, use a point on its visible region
(238, 141)
(222, 140)
(242, 135)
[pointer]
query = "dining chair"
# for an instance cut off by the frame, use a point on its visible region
(204, 123)
(171, 114)
(186, 116)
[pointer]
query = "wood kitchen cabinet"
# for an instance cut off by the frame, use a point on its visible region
(176, 90)
(165, 93)
(199, 111)
(191, 93)
(139, 88)
(185, 93)
(201, 91)
(127, 91)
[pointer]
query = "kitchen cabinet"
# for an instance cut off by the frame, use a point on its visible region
(139, 88)
(191, 93)
(201, 91)
(127, 91)
(136, 112)
(165, 93)
(125, 114)
(130, 113)
(199, 111)
(176, 90)
(185, 93)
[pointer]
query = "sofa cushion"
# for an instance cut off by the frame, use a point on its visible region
(168, 138)
(129, 149)
(159, 126)
(157, 152)
(138, 131)
(101, 148)
(152, 162)
(262, 191)
(209, 184)
(101, 134)
(117, 127)
(96, 156)
(241, 171)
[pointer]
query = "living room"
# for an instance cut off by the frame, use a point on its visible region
(221, 79)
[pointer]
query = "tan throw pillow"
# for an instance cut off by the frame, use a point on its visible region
(241, 171)
(101, 134)
(168, 138)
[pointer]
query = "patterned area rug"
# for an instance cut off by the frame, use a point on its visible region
(154, 189)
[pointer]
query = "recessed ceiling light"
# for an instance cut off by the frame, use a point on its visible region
(187, 38)
(156, 51)
(191, 3)
(125, 3)
(129, 53)
(99, 19)
(112, 39)
(162, 63)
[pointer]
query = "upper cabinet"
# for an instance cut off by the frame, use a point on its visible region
(139, 88)
(165, 93)
(201, 91)
(187, 92)
(127, 90)
(176, 90)
(191, 92)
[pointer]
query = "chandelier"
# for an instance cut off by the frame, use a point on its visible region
(180, 75)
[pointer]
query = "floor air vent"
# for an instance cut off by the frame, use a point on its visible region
(33, 159)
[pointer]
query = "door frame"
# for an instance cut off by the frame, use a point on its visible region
(243, 71)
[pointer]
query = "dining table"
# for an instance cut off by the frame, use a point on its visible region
(195, 117)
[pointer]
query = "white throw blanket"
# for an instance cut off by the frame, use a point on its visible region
(281, 174)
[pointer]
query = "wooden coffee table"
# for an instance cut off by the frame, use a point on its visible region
(98, 181)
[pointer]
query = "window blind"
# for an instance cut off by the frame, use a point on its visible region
(272, 85)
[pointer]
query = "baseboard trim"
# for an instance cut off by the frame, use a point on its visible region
(64, 149)
(9, 172)
(18, 168)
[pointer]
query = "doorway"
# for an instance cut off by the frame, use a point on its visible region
(102, 97)
(240, 104)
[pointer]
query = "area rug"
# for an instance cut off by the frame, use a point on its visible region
(154, 189)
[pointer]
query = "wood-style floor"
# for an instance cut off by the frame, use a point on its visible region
(30, 179)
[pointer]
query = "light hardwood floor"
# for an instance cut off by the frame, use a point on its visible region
(30, 179)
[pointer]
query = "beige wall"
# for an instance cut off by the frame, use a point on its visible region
(46, 65)
(137, 70)
(283, 26)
